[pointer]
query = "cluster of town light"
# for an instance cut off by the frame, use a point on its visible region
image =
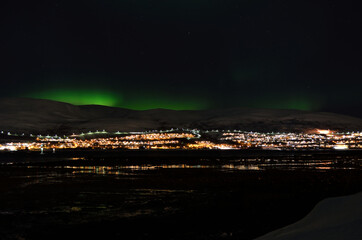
(190, 139)
(319, 139)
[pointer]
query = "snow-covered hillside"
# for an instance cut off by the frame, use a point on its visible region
(41, 116)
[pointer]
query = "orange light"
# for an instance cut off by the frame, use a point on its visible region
(322, 131)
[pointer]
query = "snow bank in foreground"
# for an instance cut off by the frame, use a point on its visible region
(331, 219)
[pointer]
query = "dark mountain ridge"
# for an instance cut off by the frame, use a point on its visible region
(27, 115)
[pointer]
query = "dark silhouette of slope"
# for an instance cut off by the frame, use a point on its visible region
(337, 218)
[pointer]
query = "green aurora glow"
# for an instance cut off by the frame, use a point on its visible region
(80, 97)
(113, 99)
(142, 100)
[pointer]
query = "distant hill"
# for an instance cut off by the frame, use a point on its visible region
(45, 116)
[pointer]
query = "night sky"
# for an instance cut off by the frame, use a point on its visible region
(185, 54)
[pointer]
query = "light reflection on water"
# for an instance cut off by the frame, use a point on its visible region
(120, 169)
(232, 165)
(127, 170)
(74, 191)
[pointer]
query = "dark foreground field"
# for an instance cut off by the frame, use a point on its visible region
(169, 199)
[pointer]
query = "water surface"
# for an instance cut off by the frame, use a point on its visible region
(165, 198)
